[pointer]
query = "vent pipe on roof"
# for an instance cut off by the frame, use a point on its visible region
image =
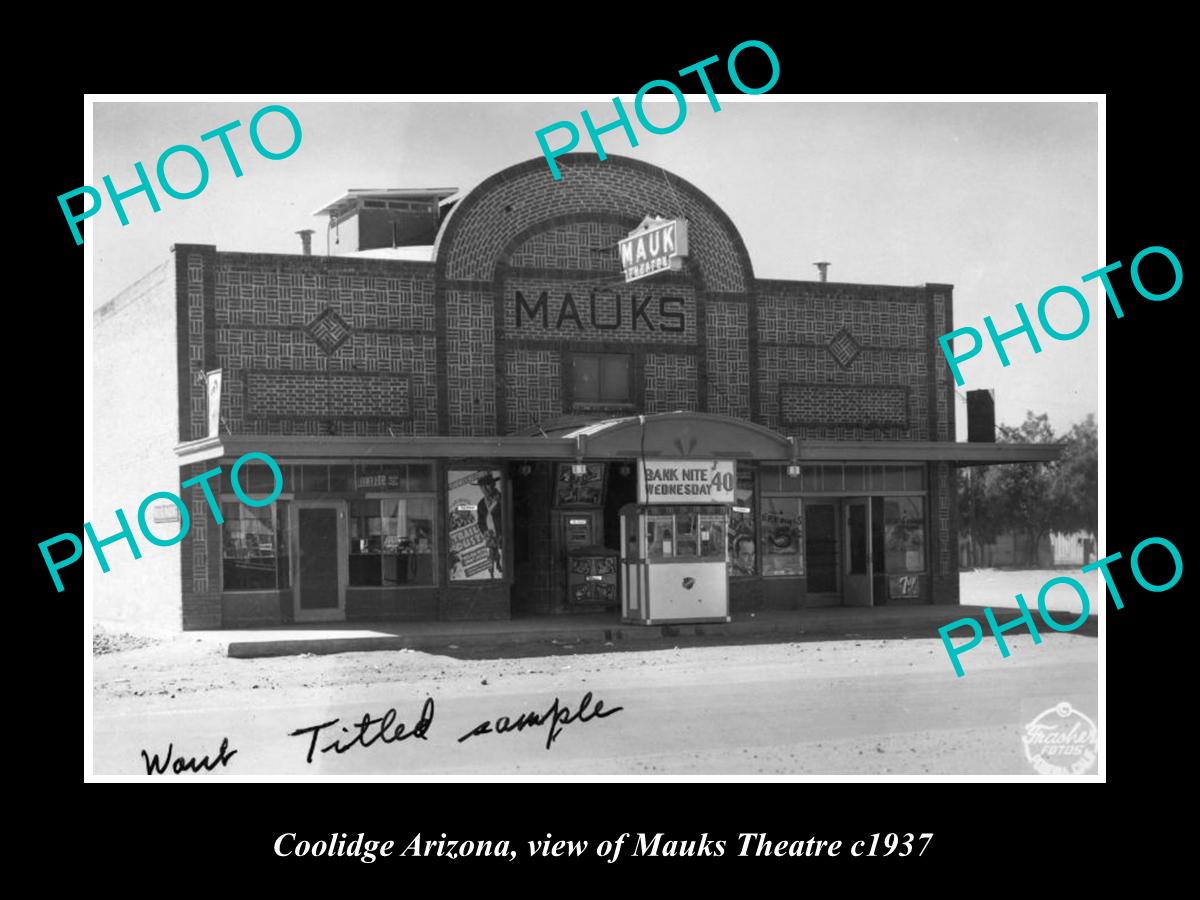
(824, 268)
(306, 240)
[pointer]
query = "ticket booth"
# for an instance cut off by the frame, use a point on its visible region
(674, 563)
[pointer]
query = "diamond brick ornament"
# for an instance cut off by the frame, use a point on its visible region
(329, 330)
(844, 348)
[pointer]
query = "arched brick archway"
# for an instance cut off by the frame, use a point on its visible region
(520, 230)
(522, 199)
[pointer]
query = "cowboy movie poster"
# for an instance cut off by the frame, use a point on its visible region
(476, 521)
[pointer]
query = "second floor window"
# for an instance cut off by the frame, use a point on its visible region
(602, 377)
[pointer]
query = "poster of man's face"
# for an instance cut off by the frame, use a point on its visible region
(742, 560)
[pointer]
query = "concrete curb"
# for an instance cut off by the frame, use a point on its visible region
(878, 625)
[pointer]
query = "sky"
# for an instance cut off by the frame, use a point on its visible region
(998, 199)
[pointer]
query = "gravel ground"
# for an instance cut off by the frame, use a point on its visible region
(116, 641)
(194, 665)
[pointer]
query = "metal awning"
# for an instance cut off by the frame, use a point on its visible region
(672, 435)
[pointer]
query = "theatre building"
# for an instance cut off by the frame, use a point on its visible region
(534, 398)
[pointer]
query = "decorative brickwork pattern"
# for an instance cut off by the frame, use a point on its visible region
(200, 560)
(326, 395)
(812, 315)
(844, 348)
(470, 363)
(195, 326)
(944, 509)
(514, 201)
(840, 404)
(533, 382)
(579, 245)
(199, 538)
(380, 316)
(670, 381)
(728, 359)
(329, 330)
(945, 402)
(373, 355)
(873, 370)
(256, 291)
(870, 338)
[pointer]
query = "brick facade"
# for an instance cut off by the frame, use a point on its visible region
(480, 342)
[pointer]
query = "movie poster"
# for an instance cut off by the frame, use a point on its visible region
(579, 490)
(742, 539)
(782, 533)
(476, 525)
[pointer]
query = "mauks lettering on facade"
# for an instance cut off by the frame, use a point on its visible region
(600, 311)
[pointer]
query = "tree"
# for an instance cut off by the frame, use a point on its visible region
(978, 510)
(1026, 490)
(1033, 499)
(1076, 492)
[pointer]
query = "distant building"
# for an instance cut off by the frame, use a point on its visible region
(1010, 550)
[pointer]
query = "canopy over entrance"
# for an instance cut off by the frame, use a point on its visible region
(670, 435)
(682, 435)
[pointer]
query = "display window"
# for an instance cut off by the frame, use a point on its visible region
(904, 535)
(685, 535)
(254, 547)
(743, 526)
(392, 542)
(782, 530)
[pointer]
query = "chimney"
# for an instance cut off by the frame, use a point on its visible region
(981, 417)
(306, 239)
(824, 267)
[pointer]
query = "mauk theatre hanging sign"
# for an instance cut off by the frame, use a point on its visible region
(656, 245)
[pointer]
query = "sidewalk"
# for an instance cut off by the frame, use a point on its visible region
(803, 624)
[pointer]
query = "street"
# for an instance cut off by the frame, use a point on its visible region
(845, 706)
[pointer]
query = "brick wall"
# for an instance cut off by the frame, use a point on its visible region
(670, 380)
(200, 560)
(311, 344)
(536, 380)
(729, 364)
(507, 209)
(844, 362)
(575, 245)
(470, 362)
(324, 395)
(843, 404)
(305, 341)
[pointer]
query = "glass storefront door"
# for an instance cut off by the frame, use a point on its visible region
(320, 560)
(821, 546)
(856, 583)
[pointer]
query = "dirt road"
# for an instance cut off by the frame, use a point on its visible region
(848, 706)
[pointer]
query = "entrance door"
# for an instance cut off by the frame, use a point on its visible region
(322, 552)
(856, 576)
(821, 546)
